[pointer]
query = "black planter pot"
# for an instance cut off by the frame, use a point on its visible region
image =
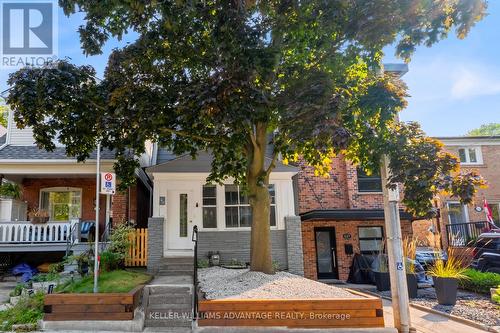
(411, 281)
(382, 281)
(446, 290)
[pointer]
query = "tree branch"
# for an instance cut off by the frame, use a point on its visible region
(194, 136)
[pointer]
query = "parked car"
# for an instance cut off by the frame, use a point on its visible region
(486, 253)
(426, 256)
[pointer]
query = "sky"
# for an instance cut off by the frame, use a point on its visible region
(454, 85)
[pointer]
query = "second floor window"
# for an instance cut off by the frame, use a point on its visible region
(237, 209)
(371, 183)
(470, 155)
(457, 213)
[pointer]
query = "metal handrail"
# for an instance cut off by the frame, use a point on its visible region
(195, 273)
(465, 234)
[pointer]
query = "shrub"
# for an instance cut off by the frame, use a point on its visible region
(17, 290)
(203, 263)
(28, 311)
(480, 282)
(496, 296)
(110, 261)
(120, 240)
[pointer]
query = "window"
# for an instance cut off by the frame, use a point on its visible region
(63, 204)
(456, 213)
(237, 208)
(495, 212)
(372, 183)
(470, 155)
(209, 206)
(370, 239)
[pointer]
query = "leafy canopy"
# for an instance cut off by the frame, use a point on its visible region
(486, 129)
(222, 75)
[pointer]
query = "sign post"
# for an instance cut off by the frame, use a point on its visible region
(105, 184)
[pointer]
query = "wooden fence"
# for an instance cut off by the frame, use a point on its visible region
(138, 250)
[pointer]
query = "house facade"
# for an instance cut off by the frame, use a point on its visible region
(460, 224)
(341, 215)
(61, 186)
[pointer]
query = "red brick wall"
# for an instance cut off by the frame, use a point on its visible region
(119, 208)
(341, 228)
(339, 191)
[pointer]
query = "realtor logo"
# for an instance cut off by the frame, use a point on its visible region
(28, 32)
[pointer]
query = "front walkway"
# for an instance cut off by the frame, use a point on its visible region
(426, 322)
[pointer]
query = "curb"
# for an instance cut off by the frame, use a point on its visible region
(444, 314)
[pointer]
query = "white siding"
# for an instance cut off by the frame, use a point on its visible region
(17, 136)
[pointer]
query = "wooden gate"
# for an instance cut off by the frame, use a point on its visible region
(138, 250)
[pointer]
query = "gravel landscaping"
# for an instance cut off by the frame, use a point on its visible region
(472, 306)
(217, 283)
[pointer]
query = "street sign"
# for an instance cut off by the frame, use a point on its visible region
(108, 183)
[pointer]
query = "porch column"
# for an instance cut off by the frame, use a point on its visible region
(294, 245)
(155, 242)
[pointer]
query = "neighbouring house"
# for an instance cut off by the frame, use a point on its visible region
(460, 224)
(65, 188)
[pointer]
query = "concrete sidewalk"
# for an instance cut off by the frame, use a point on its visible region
(426, 322)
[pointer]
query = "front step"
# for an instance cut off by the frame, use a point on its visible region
(162, 272)
(170, 299)
(176, 266)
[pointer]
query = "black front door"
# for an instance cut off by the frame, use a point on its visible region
(326, 256)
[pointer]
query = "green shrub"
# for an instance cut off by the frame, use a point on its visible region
(17, 290)
(120, 240)
(110, 261)
(28, 311)
(496, 296)
(479, 282)
(203, 263)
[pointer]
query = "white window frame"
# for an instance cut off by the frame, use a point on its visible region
(464, 207)
(61, 189)
(224, 205)
(479, 155)
(210, 206)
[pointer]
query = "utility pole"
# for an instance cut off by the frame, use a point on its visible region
(399, 289)
(97, 192)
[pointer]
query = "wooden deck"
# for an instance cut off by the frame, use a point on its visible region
(364, 312)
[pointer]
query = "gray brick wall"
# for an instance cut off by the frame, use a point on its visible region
(236, 244)
(295, 256)
(155, 242)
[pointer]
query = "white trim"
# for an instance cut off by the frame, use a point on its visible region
(9, 127)
(470, 141)
(52, 161)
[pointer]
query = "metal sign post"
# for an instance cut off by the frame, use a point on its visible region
(96, 251)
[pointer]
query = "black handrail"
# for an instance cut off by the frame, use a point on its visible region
(465, 234)
(195, 273)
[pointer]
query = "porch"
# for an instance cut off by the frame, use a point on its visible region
(465, 234)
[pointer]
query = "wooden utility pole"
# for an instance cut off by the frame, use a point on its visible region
(399, 289)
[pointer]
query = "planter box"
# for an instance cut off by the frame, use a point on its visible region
(103, 306)
(446, 290)
(294, 313)
(383, 281)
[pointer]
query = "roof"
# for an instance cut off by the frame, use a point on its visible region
(349, 214)
(480, 137)
(11, 152)
(401, 69)
(202, 163)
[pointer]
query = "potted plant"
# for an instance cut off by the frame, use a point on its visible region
(409, 255)
(38, 216)
(10, 190)
(381, 270)
(446, 275)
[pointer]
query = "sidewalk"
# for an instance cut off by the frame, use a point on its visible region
(426, 322)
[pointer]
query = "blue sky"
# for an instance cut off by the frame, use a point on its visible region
(454, 86)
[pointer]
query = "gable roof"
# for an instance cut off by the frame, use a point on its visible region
(202, 163)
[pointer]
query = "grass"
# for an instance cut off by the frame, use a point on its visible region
(480, 282)
(27, 311)
(119, 281)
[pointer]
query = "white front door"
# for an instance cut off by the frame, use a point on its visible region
(179, 220)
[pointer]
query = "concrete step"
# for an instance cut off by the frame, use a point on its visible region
(176, 266)
(185, 260)
(176, 272)
(182, 307)
(158, 322)
(170, 299)
(156, 290)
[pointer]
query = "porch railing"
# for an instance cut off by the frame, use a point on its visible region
(27, 232)
(465, 234)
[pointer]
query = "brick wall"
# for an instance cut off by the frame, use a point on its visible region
(341, 228)
(119, 208)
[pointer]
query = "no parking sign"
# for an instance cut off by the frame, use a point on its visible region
(108, 183)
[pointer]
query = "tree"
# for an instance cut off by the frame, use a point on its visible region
(3, 114)
(486, 129)
(222, 76)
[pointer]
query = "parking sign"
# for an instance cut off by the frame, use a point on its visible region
(108, 183)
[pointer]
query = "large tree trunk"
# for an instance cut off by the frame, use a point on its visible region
(258, 182)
